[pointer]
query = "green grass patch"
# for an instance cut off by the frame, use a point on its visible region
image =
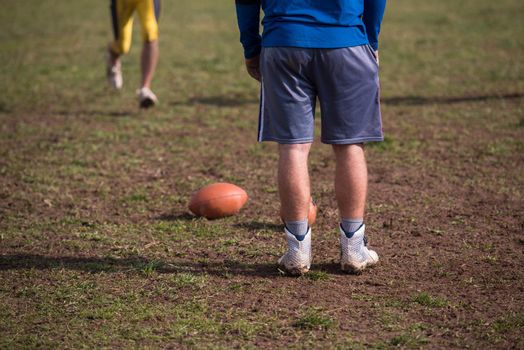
(317, 275)
(509, 323)
(314, 318)
(428, 300)
(186, 279)
(408, 341)
(149, 268)
(389, 144)
(242, 328)
(137, 197)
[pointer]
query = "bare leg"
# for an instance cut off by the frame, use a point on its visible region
(114, 69)
(351, 180)
(293, 181)
(149, 60)
(114, 57)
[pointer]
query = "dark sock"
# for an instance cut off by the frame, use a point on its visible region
(350, 226)
(297, 228)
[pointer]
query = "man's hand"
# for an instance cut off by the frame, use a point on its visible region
(376, 56)
(253, 67)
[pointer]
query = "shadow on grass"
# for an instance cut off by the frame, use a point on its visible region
(176, 217)
(331, 268)
(253, 225)
(217, 101)
(258, 226)
(236, 101)
(135, 265)
(420, 101)
(98, 113)
(4, 108)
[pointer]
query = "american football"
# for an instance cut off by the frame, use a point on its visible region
(312, 214)
(218, 200)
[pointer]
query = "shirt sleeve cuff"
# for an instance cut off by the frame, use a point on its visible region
(252, 51)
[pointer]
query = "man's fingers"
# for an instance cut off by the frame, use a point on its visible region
(253, 67)
(255, 73)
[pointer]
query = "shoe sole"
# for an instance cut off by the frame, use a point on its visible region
(115, 87)
(111, 80)
(112, 84)
(355, 269)
(147, 103)
(297, 271)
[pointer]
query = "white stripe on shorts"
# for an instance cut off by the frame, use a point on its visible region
(261, 112)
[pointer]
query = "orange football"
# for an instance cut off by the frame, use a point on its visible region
(312, 214)
(217, 200)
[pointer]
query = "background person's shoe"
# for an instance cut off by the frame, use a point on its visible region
(114, 73)
(297, 259)
(354, 253)
(146, 97)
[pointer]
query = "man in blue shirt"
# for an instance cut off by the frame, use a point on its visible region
(326, 50)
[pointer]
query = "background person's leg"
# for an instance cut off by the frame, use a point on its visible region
(149, 60)
(148, 13)
(122, 18)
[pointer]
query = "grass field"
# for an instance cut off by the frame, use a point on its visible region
(98, 250)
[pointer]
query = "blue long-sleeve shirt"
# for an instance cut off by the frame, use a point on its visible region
(309, 23)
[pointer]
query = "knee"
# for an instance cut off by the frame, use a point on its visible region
(299, 148)
(150, 33)
(353, 150)
(121, 47)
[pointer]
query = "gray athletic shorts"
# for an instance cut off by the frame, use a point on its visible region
(344, 80)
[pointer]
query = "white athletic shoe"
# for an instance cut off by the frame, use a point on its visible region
(114, 73)
(297, 259)
(354, 253)
(146, 97)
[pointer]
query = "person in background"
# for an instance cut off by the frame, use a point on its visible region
(122, 18)
(326, 50)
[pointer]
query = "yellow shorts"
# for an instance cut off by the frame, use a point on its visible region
(122, 15)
